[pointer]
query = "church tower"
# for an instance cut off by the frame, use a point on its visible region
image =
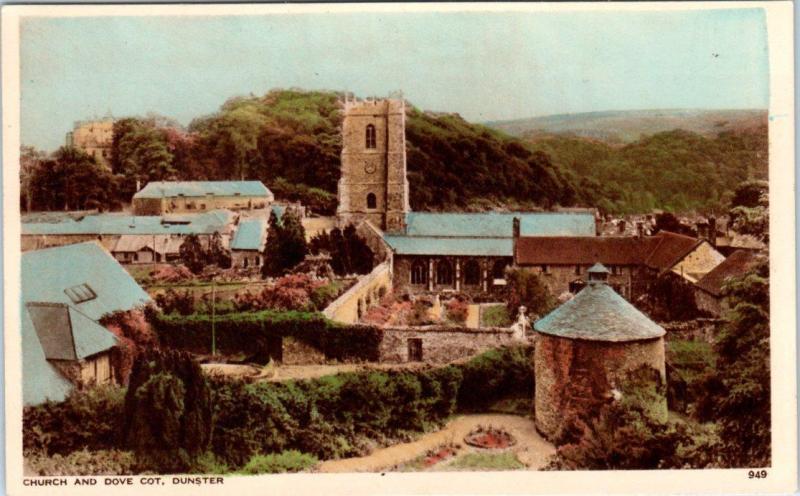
(373, 183)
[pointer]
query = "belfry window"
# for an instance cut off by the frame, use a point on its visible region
(372, 202)
(419, 272)
(371, 143)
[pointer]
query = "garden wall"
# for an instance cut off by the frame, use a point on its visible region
(351, 305)
(439, 344)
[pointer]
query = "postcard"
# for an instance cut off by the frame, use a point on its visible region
(456, 248)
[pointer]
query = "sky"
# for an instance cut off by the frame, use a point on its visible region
(485, 66)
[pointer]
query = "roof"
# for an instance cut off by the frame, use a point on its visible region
(42, 381)
(67, 334)
(737, 264)
(598, 313)
(671, 249)
(160, 189)
(436, 245)
(499, 224)
(112, 224)
(249, 235)
(49, 275)
(598, 268)
(160, 243)
(583, 250)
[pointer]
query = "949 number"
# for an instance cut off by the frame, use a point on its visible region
(757, 474)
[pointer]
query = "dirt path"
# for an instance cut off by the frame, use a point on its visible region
(473, 317)
(531, 449)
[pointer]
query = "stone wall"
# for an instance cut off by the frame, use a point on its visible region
(350, 306)
(440, 344)
(185, 204)
(627, 280)
(708, 303)
(374, 239)
(245, 258)
(486, 287)
(576, 376)
(692, 330)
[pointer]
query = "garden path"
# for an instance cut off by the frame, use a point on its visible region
(473, 316)
(531, 449)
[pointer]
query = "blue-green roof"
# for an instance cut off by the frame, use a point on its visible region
(500, 224)
(598, 313)
(52, 274)
(41, 381)
(67, 334)
(112, 224)
(279, 210)
(249, 235)
(433, 245)
(159, 189)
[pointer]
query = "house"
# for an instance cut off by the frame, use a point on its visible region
(162, 197)
(65, 292)
(248, 243)
(131, 238)
(633, 261)
(708, 293)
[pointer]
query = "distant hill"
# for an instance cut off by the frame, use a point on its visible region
(626, 126)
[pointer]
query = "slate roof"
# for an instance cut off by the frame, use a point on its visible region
(437, 245)
(160, 189)
(67, 334)
(249, 235)
(584, 250)
(113, 224)
(737, 264)
(499, 224)
(671, 249)
(48, 273)
(598, 313)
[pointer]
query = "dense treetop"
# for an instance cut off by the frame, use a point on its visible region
(290, 140)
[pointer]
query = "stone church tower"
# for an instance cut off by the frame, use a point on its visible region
(373, 183)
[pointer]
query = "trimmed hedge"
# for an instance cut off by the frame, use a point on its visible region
(250, 332)
(329, 417)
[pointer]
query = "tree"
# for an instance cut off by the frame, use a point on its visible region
(192, 254)
(286, 244)
(349, 253)
(749, 212)
(72, 180)
(526, 288)
(217, 254)
(30, 159)
(140, 152)
(168, 411)
(738, 393)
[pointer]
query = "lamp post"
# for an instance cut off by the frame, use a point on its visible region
(213, 317)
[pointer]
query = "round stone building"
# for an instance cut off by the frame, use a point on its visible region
(586, 348)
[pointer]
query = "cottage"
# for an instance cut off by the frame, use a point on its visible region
(585, 350)
(65, 292)
(708, 294)
(161, 197)
(248, 243)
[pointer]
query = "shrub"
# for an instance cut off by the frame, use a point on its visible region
(87, 419)
(168, 412)
(496, 374)
(457, 309)
(495, 316)
(349, 252)
(250, 332)
(135, 334)
(172, 301)
(528, 289)
(82, 462)
(285, 461)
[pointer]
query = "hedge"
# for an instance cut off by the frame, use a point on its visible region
(328, 417)
(250, 332)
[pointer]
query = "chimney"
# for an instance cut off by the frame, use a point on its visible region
(516, 227)
(516, 233)
(712, 231)
(138, 185)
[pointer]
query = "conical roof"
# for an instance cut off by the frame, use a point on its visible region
(598, 313)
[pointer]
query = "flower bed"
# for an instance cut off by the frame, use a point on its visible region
(490, 438)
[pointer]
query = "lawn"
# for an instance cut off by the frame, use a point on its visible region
(485, 461)
(495, 316)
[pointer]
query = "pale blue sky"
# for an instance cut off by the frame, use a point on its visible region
(485, 66)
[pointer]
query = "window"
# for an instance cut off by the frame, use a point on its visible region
(545, 269)
(372, 202)
(370, 136)
(444, 272)
(577, 270)
(472, 273)
(80, 293)
(499, 269)
(615, 269)
(419, 273)
(415, 350)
